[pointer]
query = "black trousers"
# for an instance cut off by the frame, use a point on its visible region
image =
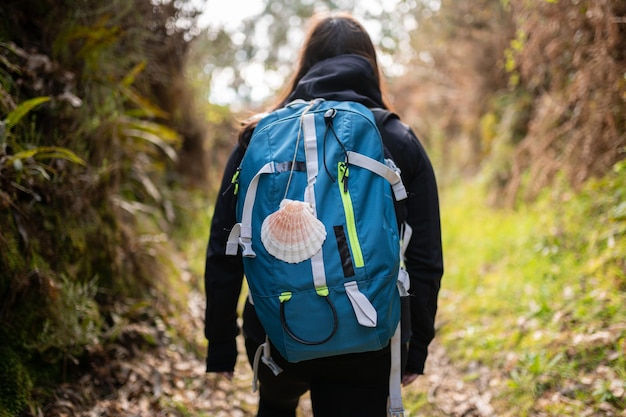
(353, 385)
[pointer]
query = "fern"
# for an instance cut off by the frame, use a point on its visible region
(17, 159)
(47, 152)
(22, 110)
(15, 116)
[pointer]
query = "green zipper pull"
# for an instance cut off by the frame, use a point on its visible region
(235, 181)
(344, 176)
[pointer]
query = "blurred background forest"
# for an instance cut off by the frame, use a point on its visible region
(116, 119)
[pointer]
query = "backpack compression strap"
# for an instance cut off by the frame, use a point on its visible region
(383, 170)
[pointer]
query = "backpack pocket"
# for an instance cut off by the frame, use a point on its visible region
(310, 319)
(320, 336)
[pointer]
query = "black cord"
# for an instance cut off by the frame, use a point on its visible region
(283, 321)
(328, 119)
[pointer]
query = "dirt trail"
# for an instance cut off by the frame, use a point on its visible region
(449, 392)
(133, 378)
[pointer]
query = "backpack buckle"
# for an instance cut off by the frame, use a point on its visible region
(246, 247)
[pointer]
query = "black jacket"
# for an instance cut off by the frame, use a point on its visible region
(346, 77)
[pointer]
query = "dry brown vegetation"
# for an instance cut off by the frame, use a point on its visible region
(573, 62)
(530, 90)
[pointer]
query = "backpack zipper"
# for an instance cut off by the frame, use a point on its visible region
(348, 209)
(234, 182)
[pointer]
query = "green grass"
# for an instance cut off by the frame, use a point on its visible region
(538, 294)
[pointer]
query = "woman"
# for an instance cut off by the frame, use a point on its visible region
(338, 62)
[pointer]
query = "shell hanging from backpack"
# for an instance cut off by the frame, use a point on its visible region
(293, 233)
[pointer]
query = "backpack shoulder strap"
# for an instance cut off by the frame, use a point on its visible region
(382, 116)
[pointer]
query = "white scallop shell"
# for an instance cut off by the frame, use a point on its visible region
(293, 233)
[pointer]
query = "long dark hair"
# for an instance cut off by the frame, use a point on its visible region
(329, 35)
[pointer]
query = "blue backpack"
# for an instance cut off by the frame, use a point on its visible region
(318, 230)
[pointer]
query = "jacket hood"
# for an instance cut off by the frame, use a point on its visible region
(344, 78)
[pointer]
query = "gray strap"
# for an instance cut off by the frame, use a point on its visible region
(232, 244)
(263, 353)
(365, 312)
(310, 150)
(396, 408)
(381, 169)
(407, 232)
(312, 168)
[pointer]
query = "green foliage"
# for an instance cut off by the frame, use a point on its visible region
(416, 403)
(93, 41)
(89, 150)
(541, 290)
(73, 321)
(510, 54)
(30, 154)
(45, 152)
(15, 383)
(22, 110)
